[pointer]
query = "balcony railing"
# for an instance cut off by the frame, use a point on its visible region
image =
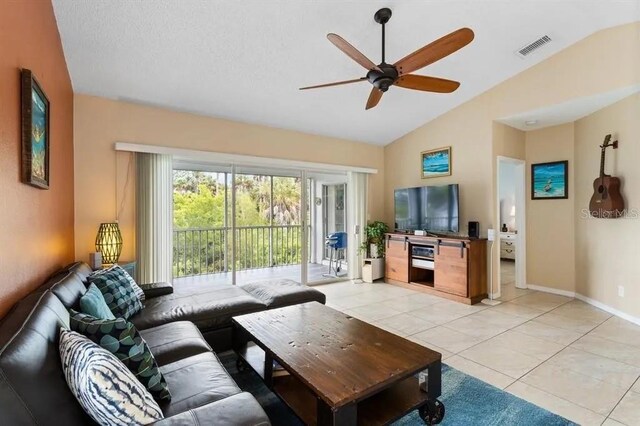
(203, 251)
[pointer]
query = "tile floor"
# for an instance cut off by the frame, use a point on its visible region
(557, 352)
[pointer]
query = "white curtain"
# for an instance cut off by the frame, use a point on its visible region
(154, 214)
(356, 220)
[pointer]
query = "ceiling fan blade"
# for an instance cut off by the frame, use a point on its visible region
(434, 51)
(352, 52)
(337, 83)
(427, 84)
(374, 98)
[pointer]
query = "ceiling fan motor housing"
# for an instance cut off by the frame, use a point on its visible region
(383, 80)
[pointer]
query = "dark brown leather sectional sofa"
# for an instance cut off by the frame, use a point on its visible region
(180, 328)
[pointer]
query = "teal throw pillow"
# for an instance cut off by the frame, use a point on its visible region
(92, 303)
(122, 339)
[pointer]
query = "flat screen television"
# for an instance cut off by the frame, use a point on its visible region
(429, 208)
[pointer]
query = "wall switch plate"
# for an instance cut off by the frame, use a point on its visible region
(620, 291)
(491, 234)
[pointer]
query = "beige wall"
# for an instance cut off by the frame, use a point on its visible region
(36, 226)
(550, 223)
(583, 69)
(101, 174)
(608, 250)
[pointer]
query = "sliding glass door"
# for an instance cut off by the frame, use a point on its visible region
(237, 224)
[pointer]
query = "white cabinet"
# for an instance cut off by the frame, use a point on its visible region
(508, 242)
(372, 270)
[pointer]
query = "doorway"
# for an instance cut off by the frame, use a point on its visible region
(511, 232)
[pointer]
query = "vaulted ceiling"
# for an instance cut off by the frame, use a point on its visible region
(245, 60)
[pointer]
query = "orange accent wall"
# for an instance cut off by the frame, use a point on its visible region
(36, 226)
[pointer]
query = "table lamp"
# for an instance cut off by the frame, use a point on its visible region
(109, 242)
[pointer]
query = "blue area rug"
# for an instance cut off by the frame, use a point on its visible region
(467, 400)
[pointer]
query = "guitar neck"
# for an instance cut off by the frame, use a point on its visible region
(602, 154)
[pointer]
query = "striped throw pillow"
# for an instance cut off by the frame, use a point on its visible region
(106, 390)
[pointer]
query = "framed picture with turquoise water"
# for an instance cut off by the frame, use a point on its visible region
(435, 163)
(35, 132)
(550, 181)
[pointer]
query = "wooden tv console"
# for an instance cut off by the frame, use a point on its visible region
(451, 267)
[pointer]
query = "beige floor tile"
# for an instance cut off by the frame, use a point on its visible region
(618, 330)
(406, 324)
(450, 340)
(481, 372)
(389, 329)
(445, 353)
(517, 310)
(636, 387)
(373, 312)
(437, 314)
(501, 358)
(580, 325)
(360, 299)
(586, 391)
(410, 303)
(596, 366)
(559, 406)
(462, 308)
(628, 410)
(491, 316)
(473, 326)
(611, 422)
(581, 310)
(528, 345)
(548, 332)
(541, 301)
(608, 348)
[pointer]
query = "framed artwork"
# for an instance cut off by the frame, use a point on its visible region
(35, 132)
(550, 181)
(435, 163)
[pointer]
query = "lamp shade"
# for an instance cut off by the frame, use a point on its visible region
(109, 242)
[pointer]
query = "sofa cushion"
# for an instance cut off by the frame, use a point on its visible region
(68, 287)
(120, 270)
(121, 338)
(32, 385)
(237, 410)
(283, 292)
(92, 303)
(196, 381)
(118, 293)
(174, 341)
(107, 391)
(209, 306)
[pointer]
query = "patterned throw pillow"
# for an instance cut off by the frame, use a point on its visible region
(136, 287)
(105, 389)
(122, 339)
(117, 292)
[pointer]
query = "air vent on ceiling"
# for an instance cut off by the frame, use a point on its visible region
(532, 47)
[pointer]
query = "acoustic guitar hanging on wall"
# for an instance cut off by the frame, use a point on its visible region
(606, 201)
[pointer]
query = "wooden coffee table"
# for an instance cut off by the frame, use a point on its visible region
(338, 370)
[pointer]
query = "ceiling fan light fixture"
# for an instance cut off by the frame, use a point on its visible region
(531, 122)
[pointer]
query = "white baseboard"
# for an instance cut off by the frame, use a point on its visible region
(551, 290)
(592, 302)
(607, 308)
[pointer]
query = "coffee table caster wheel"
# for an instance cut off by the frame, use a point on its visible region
(241, 365)
(432, 412)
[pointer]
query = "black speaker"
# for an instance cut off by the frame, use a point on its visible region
(474, 229)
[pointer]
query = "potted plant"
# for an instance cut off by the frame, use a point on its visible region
(374, 239)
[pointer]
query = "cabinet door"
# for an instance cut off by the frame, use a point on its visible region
(397, 260)
(450, 271)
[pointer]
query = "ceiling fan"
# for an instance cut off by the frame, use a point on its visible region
(384, 75)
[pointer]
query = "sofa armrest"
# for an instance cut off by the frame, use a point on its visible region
(152, 290)
(237, 410)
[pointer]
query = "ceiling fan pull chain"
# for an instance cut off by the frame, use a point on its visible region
(383, 43)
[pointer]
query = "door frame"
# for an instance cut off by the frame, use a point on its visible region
(521, 221)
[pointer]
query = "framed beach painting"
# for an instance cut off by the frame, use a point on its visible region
(435, 163)
(550, 181)
(35, 132)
